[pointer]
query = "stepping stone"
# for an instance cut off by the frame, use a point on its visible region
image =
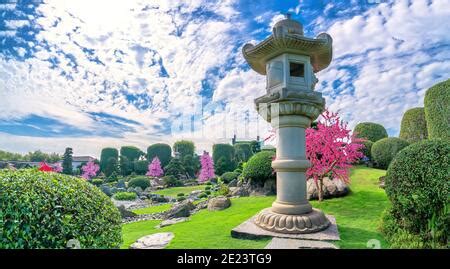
(171, 222)
(153, 241)
(287, 243)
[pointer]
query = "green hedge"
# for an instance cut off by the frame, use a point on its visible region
(417, 184)
(163, 151)
(414, 126)
(242, 152)
(367, 150)
(184, 148)
(384, 150)
(227, 177)
(437, 110)
(105, 155)
(132, 153)
(258, 169)
(125, 196)
(370, 131)
(140, 181)
(45, 210)
(223, 157)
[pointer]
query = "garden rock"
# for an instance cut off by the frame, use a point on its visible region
(331, 188)
(153, 241)
(219, 203)
(180, 209)
(171, 222)
(241, 191)
(126, 213)
(233, 183)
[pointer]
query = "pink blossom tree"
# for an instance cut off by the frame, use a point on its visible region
(89, 170)
(207, 170)
(57, 167)
(331, 149)
(154, 168)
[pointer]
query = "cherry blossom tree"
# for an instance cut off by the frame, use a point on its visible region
(207, 170)
(43, 166)
(89, 170)
(57, 167)
(331, 149)
(154, 168)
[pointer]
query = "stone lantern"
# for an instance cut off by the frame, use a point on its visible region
(290, 60)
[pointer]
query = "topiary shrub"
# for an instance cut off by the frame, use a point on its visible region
(180, 194)
(105, 156)
(414, 126)
(142, 182)
(367, 150)
(125, 196)
(223, 157)
(437, 110)
(171, 181)
(384, 150)
(229, 176)
(370, 131)
(97, 181)
(258, 169)
(417, 184)
(160, 150)
(46, 210)
(207, 188)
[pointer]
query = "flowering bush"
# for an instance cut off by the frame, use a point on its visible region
(207, 170)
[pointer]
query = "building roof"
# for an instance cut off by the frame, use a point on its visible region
(82, 158)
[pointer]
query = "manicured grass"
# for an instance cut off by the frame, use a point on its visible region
(172, 192)
(357, 214)
(152, 209)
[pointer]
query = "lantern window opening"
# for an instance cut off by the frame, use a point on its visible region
(296, 69)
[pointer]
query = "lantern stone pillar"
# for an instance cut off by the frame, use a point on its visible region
(289, 60)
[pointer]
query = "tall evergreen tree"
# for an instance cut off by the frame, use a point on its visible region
(67, 161)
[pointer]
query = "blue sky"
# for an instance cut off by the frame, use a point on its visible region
(91, 74)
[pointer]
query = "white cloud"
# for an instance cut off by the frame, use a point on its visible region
(392, 47)
(16, 24)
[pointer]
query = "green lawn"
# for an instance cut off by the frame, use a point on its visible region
(357, 215)
(172, 192)
(152, 209)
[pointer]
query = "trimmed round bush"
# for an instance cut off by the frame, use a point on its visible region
(46, 210)
(367, 150)
(105, 155)
(370, 131)
(384, 150)
(97, 181)
(162, 151)
(258, 169)
(142, 182)
(437, 110)
(171, 181)
(417, 184)
(180, 194)
(125, 196)
(414, 126)
(229, 176)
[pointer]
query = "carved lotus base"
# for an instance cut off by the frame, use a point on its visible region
(311, 222)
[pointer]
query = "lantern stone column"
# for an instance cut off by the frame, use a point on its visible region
(290, 60)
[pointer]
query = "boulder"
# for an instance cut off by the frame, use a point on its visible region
(171, 222)
(179, 210)
(219, 203)
(233, 183)
(241, 191)
(331, 188)
(153, 241)
(126, 213)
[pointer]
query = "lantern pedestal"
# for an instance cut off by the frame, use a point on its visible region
(290, 112)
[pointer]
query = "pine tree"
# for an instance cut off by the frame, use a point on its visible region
(67, 162)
